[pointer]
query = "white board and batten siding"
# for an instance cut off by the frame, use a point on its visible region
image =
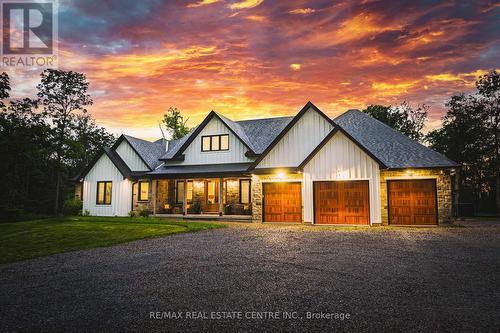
(298, 142)
(130, 157)
(235, 154)
(121, 193)
(341, 159)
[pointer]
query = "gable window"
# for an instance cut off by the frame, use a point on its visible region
(143, 191)
(104, 193)
(179, 191)
(245, 191)
(215, 142)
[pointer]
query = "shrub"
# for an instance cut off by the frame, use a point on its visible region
(86, 212)
(131, 213)
(72, 207)
(145, 212)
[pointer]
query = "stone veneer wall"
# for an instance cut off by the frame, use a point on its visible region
(444, 189)
(257, 190)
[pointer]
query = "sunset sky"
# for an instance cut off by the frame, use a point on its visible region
(263, 58)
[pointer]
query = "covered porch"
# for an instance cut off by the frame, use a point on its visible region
(195, 198)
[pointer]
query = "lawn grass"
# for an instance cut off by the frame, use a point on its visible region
(30, 239)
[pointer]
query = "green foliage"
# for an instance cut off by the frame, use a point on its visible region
(469, 136)
(175, 123)
(72, 207)
(145, 212)
(404, 118)
(86, 212)
(132, 213)
(38, 155)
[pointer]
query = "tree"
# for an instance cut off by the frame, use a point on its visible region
(488, 87)
(175, 123)
(404, 118)
(26, 148)
(463, 139)
(88, 139)
(4, 88)
(62, 94)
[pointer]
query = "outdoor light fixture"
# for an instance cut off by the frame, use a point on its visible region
(281, 174)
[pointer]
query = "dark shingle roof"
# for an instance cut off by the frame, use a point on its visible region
(391, 147)
(261, 132)
(255, 133)
(150, 152)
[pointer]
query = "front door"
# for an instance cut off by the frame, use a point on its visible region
(211, 196)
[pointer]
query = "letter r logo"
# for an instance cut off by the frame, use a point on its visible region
(27, 27)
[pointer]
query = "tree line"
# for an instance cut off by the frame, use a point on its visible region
(470, 135)
(44, 141)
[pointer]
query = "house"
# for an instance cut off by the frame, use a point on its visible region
(303, 169)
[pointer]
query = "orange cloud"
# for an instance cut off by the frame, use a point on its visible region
(202, 3)
(302, 11)
(245, 4)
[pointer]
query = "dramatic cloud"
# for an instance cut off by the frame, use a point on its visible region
(254, 58)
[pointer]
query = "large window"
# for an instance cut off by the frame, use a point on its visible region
(143, 191)
(179, 191)
(215, 142)
(245, 191)
(104, 190)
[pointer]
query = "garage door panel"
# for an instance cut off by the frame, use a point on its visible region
(341, 202)
(412, 202)
(282, 202)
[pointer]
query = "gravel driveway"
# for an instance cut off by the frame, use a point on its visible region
(376, 279)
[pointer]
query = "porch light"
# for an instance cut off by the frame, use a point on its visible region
(280, 174)
(409, 172)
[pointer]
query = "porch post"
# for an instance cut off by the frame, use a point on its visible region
(221, 188)
(155, 191)
(184, 200)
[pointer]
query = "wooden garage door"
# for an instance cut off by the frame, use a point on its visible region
(282, 202)
(412, 202)
(341, 202)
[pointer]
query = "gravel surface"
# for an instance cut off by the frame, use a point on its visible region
(382, 279)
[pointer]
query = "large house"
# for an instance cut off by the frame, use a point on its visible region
(303, 169)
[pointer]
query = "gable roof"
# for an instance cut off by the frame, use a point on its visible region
(256, 134)
(389, 146)
(148, 152)
(115, 159)
(288, 126)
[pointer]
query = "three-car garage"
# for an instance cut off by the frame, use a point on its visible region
(347, 202)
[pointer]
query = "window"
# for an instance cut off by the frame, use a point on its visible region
(179, 191)
(143, 191)
(212, 192)
(215, 142)
(245, 191)
(104, 193)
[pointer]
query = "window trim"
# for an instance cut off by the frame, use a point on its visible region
(104, 196)
(249, 191)
(139, 199)
(210, 140)
(186, 182)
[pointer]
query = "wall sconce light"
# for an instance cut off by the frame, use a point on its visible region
(280, 174)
